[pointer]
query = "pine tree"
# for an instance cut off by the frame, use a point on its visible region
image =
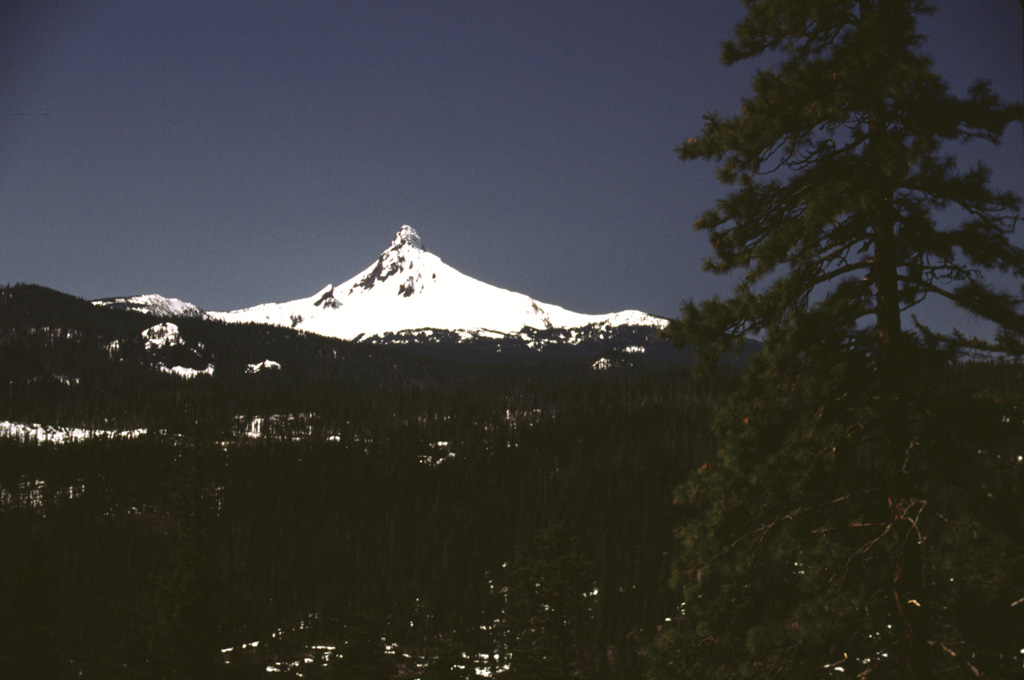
(849, 517)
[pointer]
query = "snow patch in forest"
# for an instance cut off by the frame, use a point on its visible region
(265, 365)
(67, 381)
(34, 432)
(185, 372)
(281, 426)
(444, 453)
(162, 335)
(165, 335)
(32, 493)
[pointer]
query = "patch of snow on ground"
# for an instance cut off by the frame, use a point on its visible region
(186, 373)
(32, 493)
(162, 335)
(265, 365)
(444, 453)
(293, 426)
(35, 432)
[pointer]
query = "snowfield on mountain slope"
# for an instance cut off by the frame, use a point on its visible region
(155, 305)
(410, 288)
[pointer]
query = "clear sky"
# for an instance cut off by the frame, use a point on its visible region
(232, 153)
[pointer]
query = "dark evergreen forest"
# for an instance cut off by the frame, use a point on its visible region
(397, 516)
(359, 513)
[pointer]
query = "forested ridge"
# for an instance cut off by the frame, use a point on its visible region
(383, 514)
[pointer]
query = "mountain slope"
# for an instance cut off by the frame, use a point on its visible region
(154, 305)
(407, 289)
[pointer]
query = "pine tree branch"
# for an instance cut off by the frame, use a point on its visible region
(761, 531)
(832, 274)
(974, 669)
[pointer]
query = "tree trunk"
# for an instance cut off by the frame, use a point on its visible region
(906, 570)
(906, 567)
(894, 421)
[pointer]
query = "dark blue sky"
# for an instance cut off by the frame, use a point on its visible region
(231, 153)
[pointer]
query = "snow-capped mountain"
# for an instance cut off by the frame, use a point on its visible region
(409, 289)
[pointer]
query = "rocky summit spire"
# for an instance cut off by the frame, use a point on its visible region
(407, 236)
(402, 255)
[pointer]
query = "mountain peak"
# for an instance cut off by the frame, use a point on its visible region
(410, 289)
(399, 258)
(407, 236)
